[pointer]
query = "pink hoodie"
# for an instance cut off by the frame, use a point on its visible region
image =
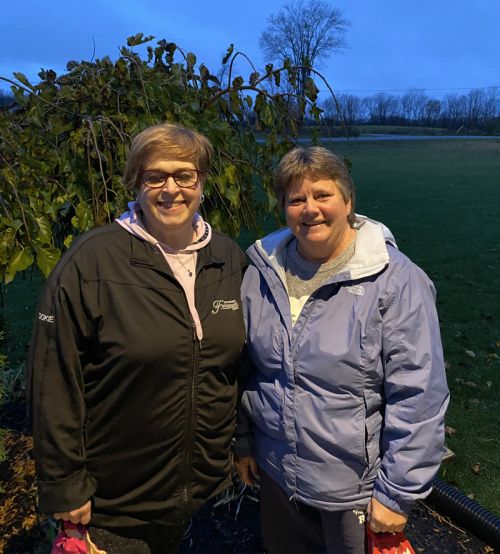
(181, 262)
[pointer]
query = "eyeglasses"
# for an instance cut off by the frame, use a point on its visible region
(184, 178)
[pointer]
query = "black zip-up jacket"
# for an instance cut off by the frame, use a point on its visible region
(128, 407)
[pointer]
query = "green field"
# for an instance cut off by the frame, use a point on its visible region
(401, 130)
(369, 129)
(441, 199)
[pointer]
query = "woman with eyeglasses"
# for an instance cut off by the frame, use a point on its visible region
(134, 358)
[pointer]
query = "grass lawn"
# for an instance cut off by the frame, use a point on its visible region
(441, 199)
(365, 129)
(401, 130)
(442, 202)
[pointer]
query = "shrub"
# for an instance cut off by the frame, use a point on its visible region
(64, 145)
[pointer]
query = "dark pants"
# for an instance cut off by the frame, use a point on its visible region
(291, 527)
(144, 539)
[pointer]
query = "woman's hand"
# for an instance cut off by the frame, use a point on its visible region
(384, 520)
(247, 469)
(80, 515)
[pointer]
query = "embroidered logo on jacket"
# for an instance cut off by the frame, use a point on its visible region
(358, 290)
(224, 305)
(46, 318)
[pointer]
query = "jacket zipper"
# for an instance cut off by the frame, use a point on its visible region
(188, 449)
(189, 432)
(294, 347)
(188, 445)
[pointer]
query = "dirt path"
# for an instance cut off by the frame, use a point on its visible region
(230, 528)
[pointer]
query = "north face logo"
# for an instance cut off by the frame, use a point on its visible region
(358, 290)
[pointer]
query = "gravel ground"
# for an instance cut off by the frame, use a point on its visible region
(233, 528)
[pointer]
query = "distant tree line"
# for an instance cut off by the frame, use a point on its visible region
(6, 99)
(478, 109)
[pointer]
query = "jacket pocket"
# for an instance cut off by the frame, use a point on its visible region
(373, 426)
(263, 401)
(266, 345)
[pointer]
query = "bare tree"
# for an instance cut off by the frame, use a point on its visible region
(475, 107)
(413, 105)
(432, 111)
(455, 109)
(346, 110)
(304, 33)
(492, 102)
(381, 107)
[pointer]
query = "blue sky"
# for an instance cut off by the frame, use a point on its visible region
(393, 45)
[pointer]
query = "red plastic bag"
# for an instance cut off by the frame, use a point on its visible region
(388, 543)
(74, 539)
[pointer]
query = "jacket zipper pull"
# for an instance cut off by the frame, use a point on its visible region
(195, 335)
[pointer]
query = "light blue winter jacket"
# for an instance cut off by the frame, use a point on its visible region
(350, 401)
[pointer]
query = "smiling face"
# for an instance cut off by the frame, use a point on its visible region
(168, 211)
(317, 215)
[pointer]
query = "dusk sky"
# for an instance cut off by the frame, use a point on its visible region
(442, 46)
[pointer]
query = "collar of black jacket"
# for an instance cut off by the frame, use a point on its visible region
(144, 254)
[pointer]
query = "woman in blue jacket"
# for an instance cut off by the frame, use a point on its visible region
(347, 400)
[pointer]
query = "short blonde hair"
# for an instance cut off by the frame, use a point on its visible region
(316, 162)
(172, 141)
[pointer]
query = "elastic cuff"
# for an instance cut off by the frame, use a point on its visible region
(67, 494)
(399, 505)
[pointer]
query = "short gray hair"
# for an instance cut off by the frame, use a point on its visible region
(316, 162)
